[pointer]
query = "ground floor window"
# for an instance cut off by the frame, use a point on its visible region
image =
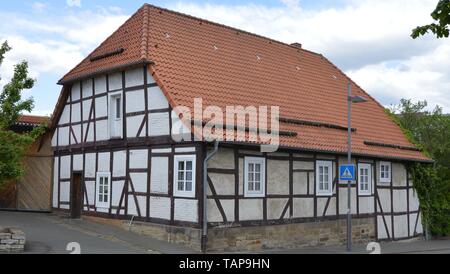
(103, 189)
(184, 175)
(324, 178)
(365, 179)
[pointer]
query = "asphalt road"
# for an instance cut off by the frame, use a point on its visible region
(50, 234)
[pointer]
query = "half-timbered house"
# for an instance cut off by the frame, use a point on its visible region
(115, 155)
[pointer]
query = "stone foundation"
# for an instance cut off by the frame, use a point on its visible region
(290, 235)
(12, 240)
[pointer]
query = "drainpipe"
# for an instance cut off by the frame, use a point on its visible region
(205, 194)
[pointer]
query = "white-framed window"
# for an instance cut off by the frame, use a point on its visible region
(385, 172)
(184, 176)
(364, 179)
(254, 177)
(103, 193)
(324, 178)
(115, 115)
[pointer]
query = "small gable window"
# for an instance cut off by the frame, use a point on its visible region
(385, 172)
(254, 179)
(115, 115)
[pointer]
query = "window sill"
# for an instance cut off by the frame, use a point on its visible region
(324, 194)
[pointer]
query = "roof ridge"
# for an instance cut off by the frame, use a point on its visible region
(231, 28)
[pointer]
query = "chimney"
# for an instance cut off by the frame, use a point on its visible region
(296, 45)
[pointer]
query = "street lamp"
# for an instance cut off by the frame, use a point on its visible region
(350, 99)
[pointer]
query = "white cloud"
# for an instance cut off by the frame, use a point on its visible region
(363, 37)
(73, 3)
(39, 6)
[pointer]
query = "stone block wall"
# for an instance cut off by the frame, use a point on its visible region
(294, 235)
(12, 240)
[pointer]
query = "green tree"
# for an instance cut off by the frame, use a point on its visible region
(430, 130)
(13, 145)
(442, 15)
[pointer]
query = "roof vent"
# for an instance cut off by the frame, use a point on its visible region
(107, 54)
(296, 45)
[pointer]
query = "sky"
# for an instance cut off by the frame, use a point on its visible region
(368, 39)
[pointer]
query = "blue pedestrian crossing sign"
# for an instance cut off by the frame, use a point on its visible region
(347, 173)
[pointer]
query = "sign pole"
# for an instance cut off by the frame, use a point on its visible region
(349, 151)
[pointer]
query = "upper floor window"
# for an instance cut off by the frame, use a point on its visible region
(115, 115)
(254, 179)
(364, 179)
(184, 175)
(324, 178)
(385, 172)
(103, 192)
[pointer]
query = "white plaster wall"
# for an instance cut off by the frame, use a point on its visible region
(139, 181)
(398, 174)
(76, 112)
(179, 129)
(223, 183)
(321, 204)
(75, 91)
(65, 115)
(224, 158)
(87, 88)
(157, 100)
(101, 130)
(100, 84)
(159, 179)
(213, 212)
(89, 169)
(241, 176)
(160, 208)
(275, 208)
(134, 77)
(300, 182)
(303, 207)
(65, 191)
(382, 234)
(101, 107)
(90, 189)
(54, 138)
(103, 162)
(159, 124)
(65, 167)
(86, 109)
(78, 162)
(385, 200)
(117, 188)
(77, 133)
(228, 208)
(63, 136)
(413, 200)
(399, 199)
(401, 226)
(55, 182)
(135, 101)
(89, 132)
(366, 205)
(184, 149)
(119, 163)
(250, 209)
(303, 165)
(133, 124)
(277, 177)
(186, 210)
(138, 158)
(132, 207)
(115, 81)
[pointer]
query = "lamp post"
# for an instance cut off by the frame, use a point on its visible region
(350, 99)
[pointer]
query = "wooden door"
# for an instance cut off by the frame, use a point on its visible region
(76, 200)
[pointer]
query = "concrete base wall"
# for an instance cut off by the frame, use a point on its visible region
(289, 235)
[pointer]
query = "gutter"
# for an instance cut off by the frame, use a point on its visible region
(205, 189)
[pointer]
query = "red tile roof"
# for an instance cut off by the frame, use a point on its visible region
(194, 58)
(31, 120)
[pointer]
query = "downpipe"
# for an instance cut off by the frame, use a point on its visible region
(205, 193)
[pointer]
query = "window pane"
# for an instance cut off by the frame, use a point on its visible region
(320, 171)
(251, 176)
(321, 185)
(105, 189)
(181, 165)
(100, 190)
(100, 198)
(106, 181)
(180, 175)
(258, 167)
(258, 177)
(118, 107)
(189, 165)
(180, 185)
(105, 198)
(250, 186)
(101, 181)
(251, 167)
(188, 186)
(257, 186)
(189, 175)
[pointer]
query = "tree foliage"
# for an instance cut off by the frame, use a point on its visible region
(431, 130)
(13, 146)
(442, 15)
